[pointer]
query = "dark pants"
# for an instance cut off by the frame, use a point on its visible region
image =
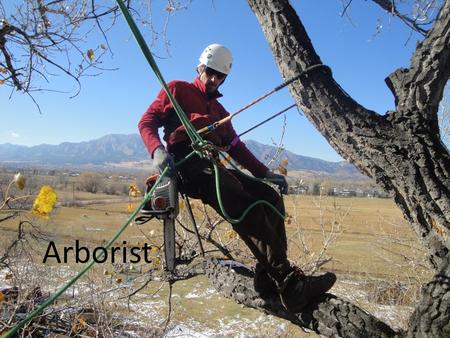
(262, 229)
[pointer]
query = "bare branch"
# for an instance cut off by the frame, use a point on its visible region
(390, 7)
(429, 71)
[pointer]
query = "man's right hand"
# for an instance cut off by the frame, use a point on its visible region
(162, 159)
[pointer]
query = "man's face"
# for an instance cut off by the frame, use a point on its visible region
(211, 78)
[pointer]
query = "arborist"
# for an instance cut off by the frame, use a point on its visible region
(262, 229)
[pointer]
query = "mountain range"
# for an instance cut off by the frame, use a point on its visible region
(114, 149)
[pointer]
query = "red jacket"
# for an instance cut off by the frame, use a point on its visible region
(201, 111)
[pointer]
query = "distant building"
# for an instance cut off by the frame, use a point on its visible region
(298, 189)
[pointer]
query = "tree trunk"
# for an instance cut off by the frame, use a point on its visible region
(401, 150)
(431, 317)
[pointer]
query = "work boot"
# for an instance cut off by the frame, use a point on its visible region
(297, 290)
(263, 283)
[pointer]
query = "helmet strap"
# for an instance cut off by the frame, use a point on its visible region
(202, 67)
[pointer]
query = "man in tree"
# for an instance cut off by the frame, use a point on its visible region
(262, 229)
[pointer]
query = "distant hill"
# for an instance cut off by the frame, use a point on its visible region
(298, 162)
(117, 148)
(110, 148)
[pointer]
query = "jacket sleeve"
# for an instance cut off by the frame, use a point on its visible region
(240, 153)
(154, 118)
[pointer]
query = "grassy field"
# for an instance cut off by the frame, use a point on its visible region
(366, 236)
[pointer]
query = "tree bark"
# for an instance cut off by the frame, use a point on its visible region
(401, 150)
(431, 317)
(328, 315)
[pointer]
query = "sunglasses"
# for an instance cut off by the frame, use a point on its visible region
(211, 72)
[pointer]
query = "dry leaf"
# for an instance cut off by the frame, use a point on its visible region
(231, 234)
(3, 70)
(282, 170)
(19, 180)
(226, 161)
(78, 326)
(2, 296)
(90, 54)
(2, 81)
(284, 162)
(8, 276)
(119, 280)
(181, 205)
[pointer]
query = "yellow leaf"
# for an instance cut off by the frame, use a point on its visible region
(82, 322)
(44, 202)
(284, 162)
(90, 54)
(157, 261)
(2, 81)
(133, 190)
(2, 296)
(130, 207)
(154, 249)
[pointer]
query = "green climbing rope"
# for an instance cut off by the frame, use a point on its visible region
(190, 129)
(86, 267)
(246, 211)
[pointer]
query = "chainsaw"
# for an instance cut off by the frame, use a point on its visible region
(163, 205)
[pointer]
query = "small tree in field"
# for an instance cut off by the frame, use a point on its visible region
(91, 182)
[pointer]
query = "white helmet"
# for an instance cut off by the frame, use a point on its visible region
(217, 57)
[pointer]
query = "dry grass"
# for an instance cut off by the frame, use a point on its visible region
(372, 236)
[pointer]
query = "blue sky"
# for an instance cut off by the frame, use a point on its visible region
(114, 101)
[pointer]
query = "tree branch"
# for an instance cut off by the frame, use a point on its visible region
(401, 151)
(389, 6)
(424, 84)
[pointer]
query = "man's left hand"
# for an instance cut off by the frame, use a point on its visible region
(279, 180)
